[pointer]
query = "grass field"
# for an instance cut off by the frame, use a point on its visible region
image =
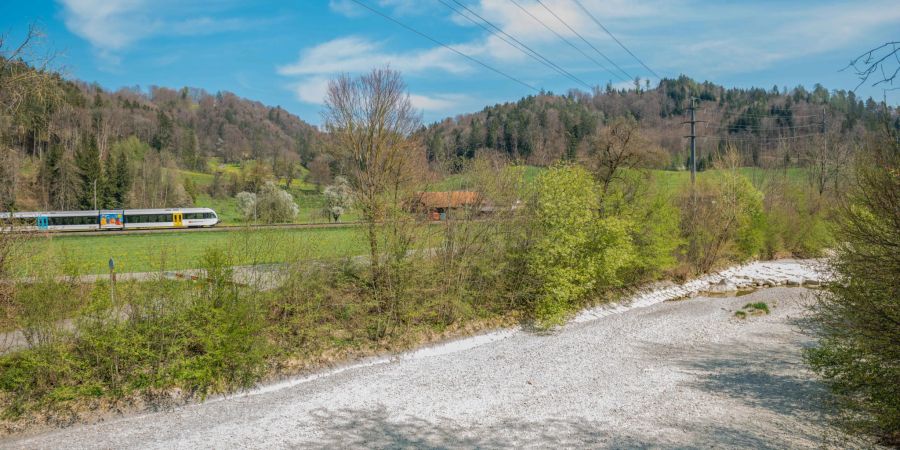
(147, 252)
(172, 251)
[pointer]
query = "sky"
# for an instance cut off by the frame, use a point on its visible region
(284, 52)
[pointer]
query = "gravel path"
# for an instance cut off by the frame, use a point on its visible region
(674, 374)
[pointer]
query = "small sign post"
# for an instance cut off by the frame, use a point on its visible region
(112, 285)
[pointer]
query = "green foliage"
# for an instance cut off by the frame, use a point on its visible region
(721, 220)
(571, 250)
(653, 222)
(857, 318)
(203, 337)
(87, 159)
(796, 220)
(759, 306)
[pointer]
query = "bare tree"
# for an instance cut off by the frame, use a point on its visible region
(827, 158)
(882, 61)
(372, 120)
(617, 146)
(18, 82)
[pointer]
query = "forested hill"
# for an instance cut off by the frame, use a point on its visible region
(64, 142)
(762, 123)
(58, 135)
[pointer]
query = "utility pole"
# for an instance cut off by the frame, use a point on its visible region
(693, 137)
(95, 193)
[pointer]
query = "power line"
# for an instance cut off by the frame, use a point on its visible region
(782, 138)
(764, 128)
(769, 116)
(470, 58)
(564, 39)
(527, 50)
(627, 75)
(615, 39)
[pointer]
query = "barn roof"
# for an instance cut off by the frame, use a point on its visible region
(450, 199)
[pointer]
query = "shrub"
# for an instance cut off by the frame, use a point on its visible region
(271, 205)
(275, 205)
(338, 198)
(246, 202)
(857, 318)
(204, 337)
(721, 219)
(571, 251)
(796, 220)
(652, 221)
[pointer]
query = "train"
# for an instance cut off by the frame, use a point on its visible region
(109, 219)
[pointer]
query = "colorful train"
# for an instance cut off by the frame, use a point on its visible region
(109, 219)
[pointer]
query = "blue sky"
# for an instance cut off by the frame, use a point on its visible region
(283, 52)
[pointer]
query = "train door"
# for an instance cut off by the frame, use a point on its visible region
(43, 222)
(177, 219)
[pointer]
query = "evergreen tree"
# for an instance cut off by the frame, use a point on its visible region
(107, 195)
(163, 138)
(87, 161)
(189, 155)
(123, 180)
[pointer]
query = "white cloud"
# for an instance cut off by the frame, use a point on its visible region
(110, 26)
(438, 102)
(350, 8)
(765, 40)
(312, 90)
(345, 8)
(355, 55)
(107, 25)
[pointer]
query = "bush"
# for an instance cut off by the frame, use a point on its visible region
(721, 220)
(271, 205)
(652, 220)
(571, 251)
(796, 221)
(203, 337)
(338, 199)
(275, 205)
(857, 318)
(246, 202)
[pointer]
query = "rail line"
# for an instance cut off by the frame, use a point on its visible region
(219, 228)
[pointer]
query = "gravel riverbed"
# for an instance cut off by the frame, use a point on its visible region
(684, 373)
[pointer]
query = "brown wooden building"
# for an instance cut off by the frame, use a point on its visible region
(442, 205)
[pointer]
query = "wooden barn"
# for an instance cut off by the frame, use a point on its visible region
(442, 205)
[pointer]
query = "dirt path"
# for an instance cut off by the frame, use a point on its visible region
(674, 374)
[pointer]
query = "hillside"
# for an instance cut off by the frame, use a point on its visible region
(73, 145)
(60, 135)
(771, 127)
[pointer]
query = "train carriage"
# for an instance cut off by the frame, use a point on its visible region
(112, 219)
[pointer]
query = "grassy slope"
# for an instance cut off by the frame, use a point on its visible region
(148, 252)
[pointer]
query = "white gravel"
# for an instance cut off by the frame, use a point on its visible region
(656, 374)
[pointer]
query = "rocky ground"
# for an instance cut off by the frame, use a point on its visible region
(684, 373)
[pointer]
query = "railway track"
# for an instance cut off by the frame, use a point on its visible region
(220, 228)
